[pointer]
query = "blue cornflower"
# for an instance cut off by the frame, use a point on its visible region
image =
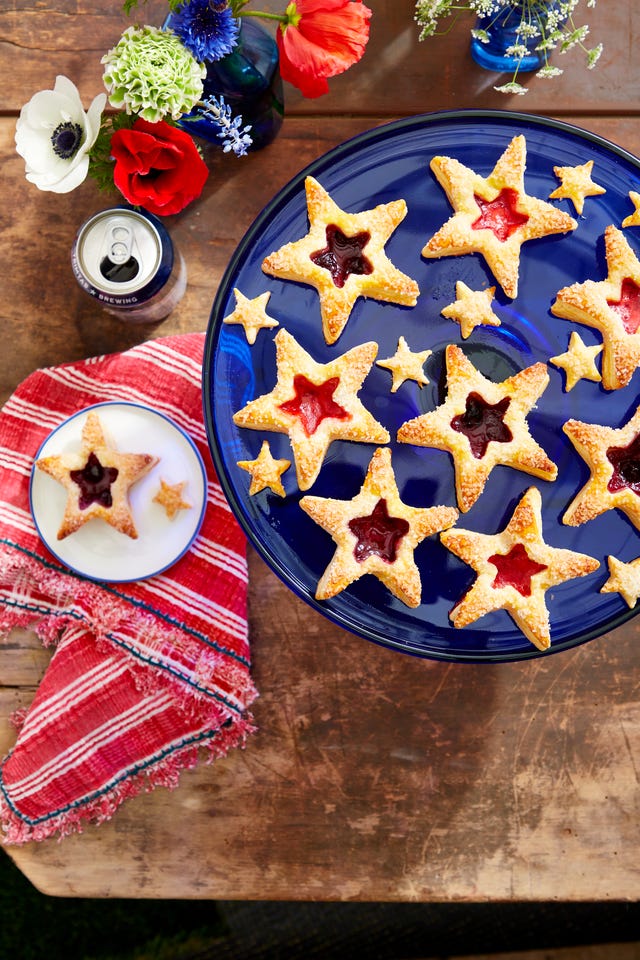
(207, 28)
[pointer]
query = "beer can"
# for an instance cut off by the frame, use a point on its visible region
(125, 259)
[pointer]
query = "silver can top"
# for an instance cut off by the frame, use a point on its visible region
(119, 251)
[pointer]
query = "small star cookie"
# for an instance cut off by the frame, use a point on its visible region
(613, 457)
(482, 424)
(170, 497)
(493, 215)
(265, 471)
(579, 362)
(472, 308)
(343, 257)
(611, 306)
(97, 480)
(514, 570)
(376, 533)
(251, 314)
(315, 403)
(406, 365)
(633, 220)
(576, 184)
(624, 578)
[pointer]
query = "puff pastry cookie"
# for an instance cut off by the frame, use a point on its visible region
(97, 480)
(315, 403)
(251, 315)
(170, 497)
(493, 215)
(633, 219)
(576, 184)
(611, 306)
(343, 257)
(624, 578)
(376, 533)
(406, 365)
(578, 362)
(482, 424)
(471, 309)
(514, 570)
(613, 457)
(266, 471)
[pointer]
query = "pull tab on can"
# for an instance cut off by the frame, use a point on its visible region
(118, 263)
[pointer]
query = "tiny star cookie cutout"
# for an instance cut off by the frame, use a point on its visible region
(514, 570)
(343, 257)
(97, 480)
(613, 457)
(170, 497)
(483, 424)
(576, 184)
(624, 578)
(493, 215)
(406, 365)
(376, 533)
(251, 314)
(611, 306)
(578, 362)
(266, 471)
(315, 404)
(633, 220)
(472, 308)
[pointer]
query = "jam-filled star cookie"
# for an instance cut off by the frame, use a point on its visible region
(611, 306)
(315, 404)
(613, 457)
(624, 578)
(266, 471)
(471, 309)
(578, 362)
(251, 315)
(406, 364)
(514, 570)
(493, 215)
(343, 257)
(576, 184)
(482, 424)
(376, 533)
(97, 480)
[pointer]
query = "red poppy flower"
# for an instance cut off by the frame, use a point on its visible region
(157, 167)
(321, 39)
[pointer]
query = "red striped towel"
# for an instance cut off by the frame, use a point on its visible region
(144, 674)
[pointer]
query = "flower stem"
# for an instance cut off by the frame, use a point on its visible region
(281, 18)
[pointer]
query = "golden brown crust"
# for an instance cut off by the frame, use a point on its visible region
(401, 575)
(633, 220)
(624, 578)
(130, 468)
(251, 315)
(385, 282)
(266, 471)
(170, 497)
(578, 362)
(406, 365)
(576, 184)
(457, 236)
(471, 309)
(546, 567)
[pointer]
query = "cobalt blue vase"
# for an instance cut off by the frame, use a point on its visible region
(502, 31)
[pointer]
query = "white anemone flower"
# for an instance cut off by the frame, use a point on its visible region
(54, 136)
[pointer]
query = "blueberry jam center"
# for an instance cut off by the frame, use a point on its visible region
(378, 535)
(66, 139)
(313, 402)
(626, 467)
(500, 215)
(515, 569)
(343, 255)
(483, 422)
(95, 482)
(628, 306)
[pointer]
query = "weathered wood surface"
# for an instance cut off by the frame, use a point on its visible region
(373, 775)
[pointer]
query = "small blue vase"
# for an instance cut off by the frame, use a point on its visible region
(501, 28)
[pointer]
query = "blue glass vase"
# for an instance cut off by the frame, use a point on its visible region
(501, 29)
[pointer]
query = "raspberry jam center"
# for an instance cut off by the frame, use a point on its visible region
(515, 569)
(628, 306)
(378, 535)
(313, 402)
(500, 215)
(626, 467)
(483, 422)
(95, 482)
(343, 255)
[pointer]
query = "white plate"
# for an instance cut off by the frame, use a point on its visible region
(97, 550)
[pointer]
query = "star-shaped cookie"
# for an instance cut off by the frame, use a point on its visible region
(633, 220)
(482, 424)
(170, 497)
(315, 403)
(97, 480)
(613, 457)
(578, 362)
(611, 306)
(576, 184)
(472, 308)
(376, 533)
(406, 365)
(624, 578)
(251, 314)
(514, 570)
(493, 215)
(343, 257)
(265, 471)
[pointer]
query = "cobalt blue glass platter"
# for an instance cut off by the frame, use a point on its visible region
(384, 164)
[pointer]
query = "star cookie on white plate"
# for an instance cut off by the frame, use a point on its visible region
(170, 497)
(343, 257)
(576, 184)
(265, 471)
(406, 365)
(611, 306)
(251, 314)
(633, 220)
(482, 424)
(624, 578)
(376, 533)
(97, 479)
(578, 362)
(514, 570)
(315, 404)
(471, 309)
(493, 215)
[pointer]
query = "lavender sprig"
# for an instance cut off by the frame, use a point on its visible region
(234, 136)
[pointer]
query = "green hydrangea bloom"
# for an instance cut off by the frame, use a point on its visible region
(152, 74)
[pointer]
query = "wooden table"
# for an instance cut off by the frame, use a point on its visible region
(374, 776)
